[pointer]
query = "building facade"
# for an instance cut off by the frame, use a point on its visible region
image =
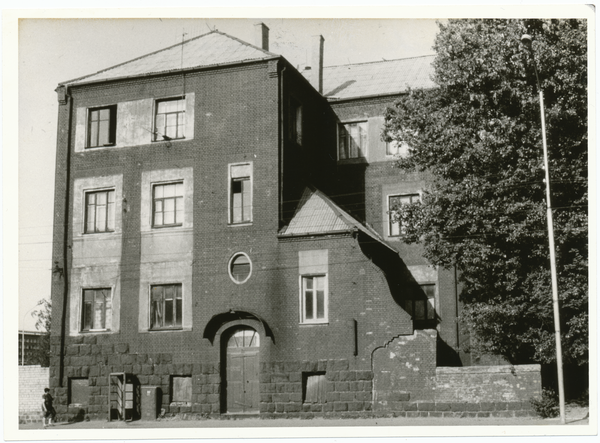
(223, 226)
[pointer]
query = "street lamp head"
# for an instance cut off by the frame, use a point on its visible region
(526, 40)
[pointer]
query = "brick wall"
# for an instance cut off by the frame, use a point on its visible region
(405, 370)
(407, 383)
(477, 384)
(32, 381)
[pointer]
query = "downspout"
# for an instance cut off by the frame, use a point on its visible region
(281, 143)
(65, 273)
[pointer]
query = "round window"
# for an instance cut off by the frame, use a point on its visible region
(240, 268)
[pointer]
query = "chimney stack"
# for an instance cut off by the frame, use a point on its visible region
(317, 63)
(261, 36)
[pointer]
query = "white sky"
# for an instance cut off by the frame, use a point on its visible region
(56, 50)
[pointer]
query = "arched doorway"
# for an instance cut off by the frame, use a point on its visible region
(241, 357)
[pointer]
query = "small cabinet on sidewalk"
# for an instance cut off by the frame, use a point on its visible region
(150, 402)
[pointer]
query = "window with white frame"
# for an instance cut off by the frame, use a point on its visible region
(240, 193)
(313, 299)
(96, 313)
(394, 202)
(166, 306)
(352, 140)
(102, 126)
(169, 119)
(167, 204)
(100, 211)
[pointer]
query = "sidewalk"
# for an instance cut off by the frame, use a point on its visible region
(575, 417)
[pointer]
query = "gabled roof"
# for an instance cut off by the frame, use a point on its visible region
(386, 77)
(212, 49)
(317, 214)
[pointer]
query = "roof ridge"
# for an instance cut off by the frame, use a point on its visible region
(247, 44)
(184, 42)
(138, 58)
(380, 61)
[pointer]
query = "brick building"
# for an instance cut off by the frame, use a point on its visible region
(222, 223)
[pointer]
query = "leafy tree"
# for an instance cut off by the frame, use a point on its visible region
(43, 316)
(478, 136)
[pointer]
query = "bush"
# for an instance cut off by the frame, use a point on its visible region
(547, 406)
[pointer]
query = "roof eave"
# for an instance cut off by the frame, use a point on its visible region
(372, 96)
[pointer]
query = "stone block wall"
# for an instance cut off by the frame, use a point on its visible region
(87, 359)
(32, 381)
(347, 392)
(489, 384)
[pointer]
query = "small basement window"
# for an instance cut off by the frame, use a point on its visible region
(79, 391)
(181, 390)
(313, 387)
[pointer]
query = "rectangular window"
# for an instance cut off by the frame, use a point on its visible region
(352, 140)
(79, 391)
(169, 121)
(100, 211)
(314, 387)
(240, 189)
(167, 204)
(165, 306)
(296, 121)
(97, 310)
(314, 299)
(394, 201)
(181, 393)
(102, 127)
(422, 308)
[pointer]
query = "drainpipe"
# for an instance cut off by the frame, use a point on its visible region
(63, 99)
(281, 144)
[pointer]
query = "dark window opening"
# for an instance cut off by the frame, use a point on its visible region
(102, 127)
(422, 309)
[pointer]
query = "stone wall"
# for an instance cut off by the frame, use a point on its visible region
(347, 392)
(32, 381)
(476, 384)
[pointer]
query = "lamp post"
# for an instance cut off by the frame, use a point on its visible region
(526, 40)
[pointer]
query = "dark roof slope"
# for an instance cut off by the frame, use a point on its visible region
(386, 77)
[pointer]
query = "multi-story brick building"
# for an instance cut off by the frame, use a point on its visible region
(222, 221)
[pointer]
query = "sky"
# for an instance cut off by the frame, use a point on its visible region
(55, 50)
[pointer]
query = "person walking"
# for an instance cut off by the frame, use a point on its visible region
(49, 412)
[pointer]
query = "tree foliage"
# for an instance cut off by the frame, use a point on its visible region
(478, 135)
(43, 316)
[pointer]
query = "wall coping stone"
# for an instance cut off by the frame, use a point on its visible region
(500, 369)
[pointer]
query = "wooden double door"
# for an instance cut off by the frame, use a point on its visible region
(241, 371)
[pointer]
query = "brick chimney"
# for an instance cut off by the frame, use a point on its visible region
(316, 76)
(261, 36)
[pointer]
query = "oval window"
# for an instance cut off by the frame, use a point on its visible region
(240, 268)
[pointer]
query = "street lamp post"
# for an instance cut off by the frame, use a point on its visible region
(526, 40)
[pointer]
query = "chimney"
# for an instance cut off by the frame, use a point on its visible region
(316, 75)
(261, 36)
